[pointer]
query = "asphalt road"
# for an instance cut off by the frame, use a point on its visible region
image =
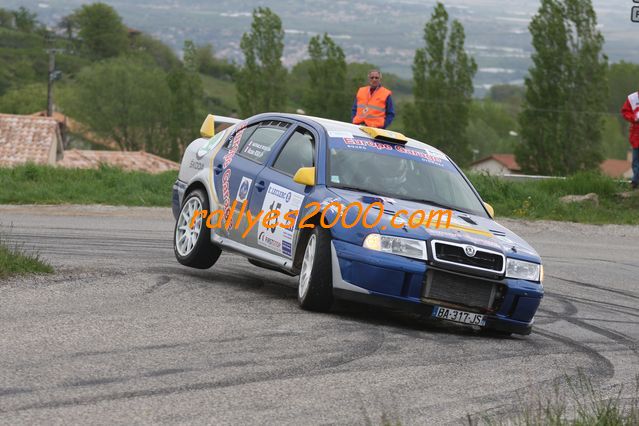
(122, 333)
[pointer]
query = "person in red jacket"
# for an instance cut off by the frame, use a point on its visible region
(630, 112)
(373, 106)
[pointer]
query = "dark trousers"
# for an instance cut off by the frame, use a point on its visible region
(635, 165)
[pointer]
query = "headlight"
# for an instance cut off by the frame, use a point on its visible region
(397, 245)
(523, 270)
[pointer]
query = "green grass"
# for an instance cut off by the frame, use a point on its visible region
(31, 184)
(574, 402)
(540, 199)
(16, 261)
(222, 92)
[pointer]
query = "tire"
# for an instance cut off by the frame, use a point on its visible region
(192, 246)
(315, 289)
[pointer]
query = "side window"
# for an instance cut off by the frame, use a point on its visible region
(258, 146)
(247, 133)
(298, 152)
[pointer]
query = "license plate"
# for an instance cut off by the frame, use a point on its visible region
(458, 316)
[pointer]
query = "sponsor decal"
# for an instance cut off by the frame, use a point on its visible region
(243, 190)
(197, 165)
(226, 177)
(285, 201)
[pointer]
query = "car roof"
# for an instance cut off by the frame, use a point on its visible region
(354, 129)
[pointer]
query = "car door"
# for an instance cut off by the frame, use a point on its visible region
(235, 169)
(276, 190)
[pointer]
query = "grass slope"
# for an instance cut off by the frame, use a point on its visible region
(540, 199)
(31, 184)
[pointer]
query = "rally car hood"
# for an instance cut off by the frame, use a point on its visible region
(464, 228)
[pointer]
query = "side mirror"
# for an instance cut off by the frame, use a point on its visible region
(208, 127)
(305, 176)
(491, 210)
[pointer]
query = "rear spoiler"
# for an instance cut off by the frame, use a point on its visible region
(216, 123)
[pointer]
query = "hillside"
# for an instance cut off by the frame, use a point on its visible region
(377, 31)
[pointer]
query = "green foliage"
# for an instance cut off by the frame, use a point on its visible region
(101, 30)
(7, 18)
(261, 82)
(185, 110)
(25, 100)
(561, 124)
(124, 99)
(24, 20)
(31, 184)
(326, 94)
(15, 260)
(220, 96)
(540, 199)
(208, 64)
(489, 129)
(623, 79)
(162, 54)
(508, 94)
(443, 74)
(614, 139)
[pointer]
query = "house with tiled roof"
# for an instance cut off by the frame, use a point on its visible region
(38, 139)
(497, 165)
(26, 138)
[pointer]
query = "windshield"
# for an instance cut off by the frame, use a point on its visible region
(399, 171)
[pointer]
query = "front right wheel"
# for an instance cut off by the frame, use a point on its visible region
(315, 290)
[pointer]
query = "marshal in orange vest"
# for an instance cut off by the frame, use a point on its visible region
(371, 109)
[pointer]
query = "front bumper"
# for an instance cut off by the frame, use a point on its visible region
(395, 281)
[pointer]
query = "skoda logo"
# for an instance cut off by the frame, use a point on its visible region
(470, 251)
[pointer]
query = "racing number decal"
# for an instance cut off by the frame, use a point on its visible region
(278, 238)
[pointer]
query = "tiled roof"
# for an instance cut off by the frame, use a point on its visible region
(507, 160)
(25, 138)
(127, 160)
(615, 168)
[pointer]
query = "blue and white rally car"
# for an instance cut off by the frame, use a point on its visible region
(352, 211)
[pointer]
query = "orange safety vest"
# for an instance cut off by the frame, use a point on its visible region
(371, 109)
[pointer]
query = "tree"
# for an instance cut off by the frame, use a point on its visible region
(24, 100)
(261, 82)
(185, 106)
(123, 99)
(443, 74)
(564, 103)
(7, 18)
(326, 94)
(210, 65)
(101, 30)
(24, 20)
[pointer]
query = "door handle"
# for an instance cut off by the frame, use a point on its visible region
(218, 169)
(260, 185)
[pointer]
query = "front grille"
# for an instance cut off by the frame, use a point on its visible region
(483, 259)
(440, 286)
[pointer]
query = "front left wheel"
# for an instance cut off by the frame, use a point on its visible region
(192, 245)
(315, 289)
